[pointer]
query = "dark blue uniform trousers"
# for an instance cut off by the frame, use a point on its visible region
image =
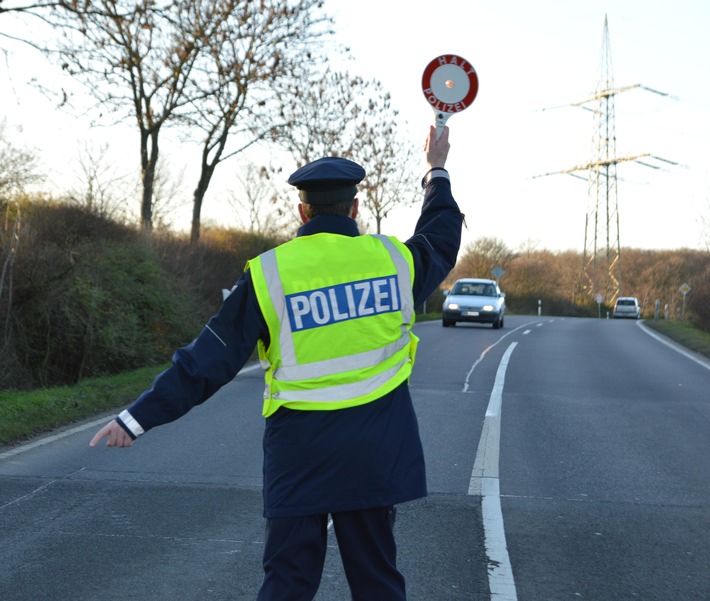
(295, 549)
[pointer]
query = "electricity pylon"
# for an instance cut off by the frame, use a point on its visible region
(601, 259)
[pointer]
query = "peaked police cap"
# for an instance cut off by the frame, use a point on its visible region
(326, 181)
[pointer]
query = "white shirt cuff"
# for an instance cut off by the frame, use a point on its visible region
(130, 422)
(434, 173)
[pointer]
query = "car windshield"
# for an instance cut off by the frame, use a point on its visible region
(625, 301)
(473, 289)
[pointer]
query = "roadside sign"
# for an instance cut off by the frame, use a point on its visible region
(684, 289)
(599, 298)
(450, 85)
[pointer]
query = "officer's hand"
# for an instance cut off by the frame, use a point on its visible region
(117, 436)
(437, 149)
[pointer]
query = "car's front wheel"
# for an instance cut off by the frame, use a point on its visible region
(448, 322)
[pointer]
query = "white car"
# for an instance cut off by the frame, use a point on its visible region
(627, 306)
(474, 300)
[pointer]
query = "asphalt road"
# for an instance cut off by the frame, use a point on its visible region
(566, 459)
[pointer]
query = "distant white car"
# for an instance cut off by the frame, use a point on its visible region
(627, 307)
(474, 300)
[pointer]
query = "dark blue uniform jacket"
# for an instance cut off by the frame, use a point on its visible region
(318, 461)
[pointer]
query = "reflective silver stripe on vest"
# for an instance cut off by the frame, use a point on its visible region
(403, 276)
(292, 371)
(277, 296)
(289, 373)
(342, 391)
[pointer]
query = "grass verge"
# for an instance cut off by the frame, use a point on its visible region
(27, 414)
(683, 333)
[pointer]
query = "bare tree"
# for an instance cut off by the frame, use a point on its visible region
(168, 194)
(133, 62)
(31, 8)
(389, 160)
(19, 166)
(210, 64)
(338, 114)
(704, 222)
(480, 258)
(322, 109)
(248, 62)
(257, 204)
(101, 188)
(36, 10)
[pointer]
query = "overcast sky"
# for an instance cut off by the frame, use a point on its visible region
(529, 56)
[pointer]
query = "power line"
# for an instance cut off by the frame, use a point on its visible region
(601, 270)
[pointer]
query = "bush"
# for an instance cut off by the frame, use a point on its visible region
(527, 304)
(433, 303)
(88, 298)
(215, 263)
(698, 302)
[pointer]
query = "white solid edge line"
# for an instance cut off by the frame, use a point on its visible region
(80, 428)
(485, 481)
(677, 348)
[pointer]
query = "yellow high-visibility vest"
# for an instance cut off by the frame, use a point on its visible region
(340, 311)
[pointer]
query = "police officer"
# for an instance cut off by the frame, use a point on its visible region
(331, 313)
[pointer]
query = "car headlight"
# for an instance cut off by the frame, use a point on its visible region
(453, 306)
(488, 308)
